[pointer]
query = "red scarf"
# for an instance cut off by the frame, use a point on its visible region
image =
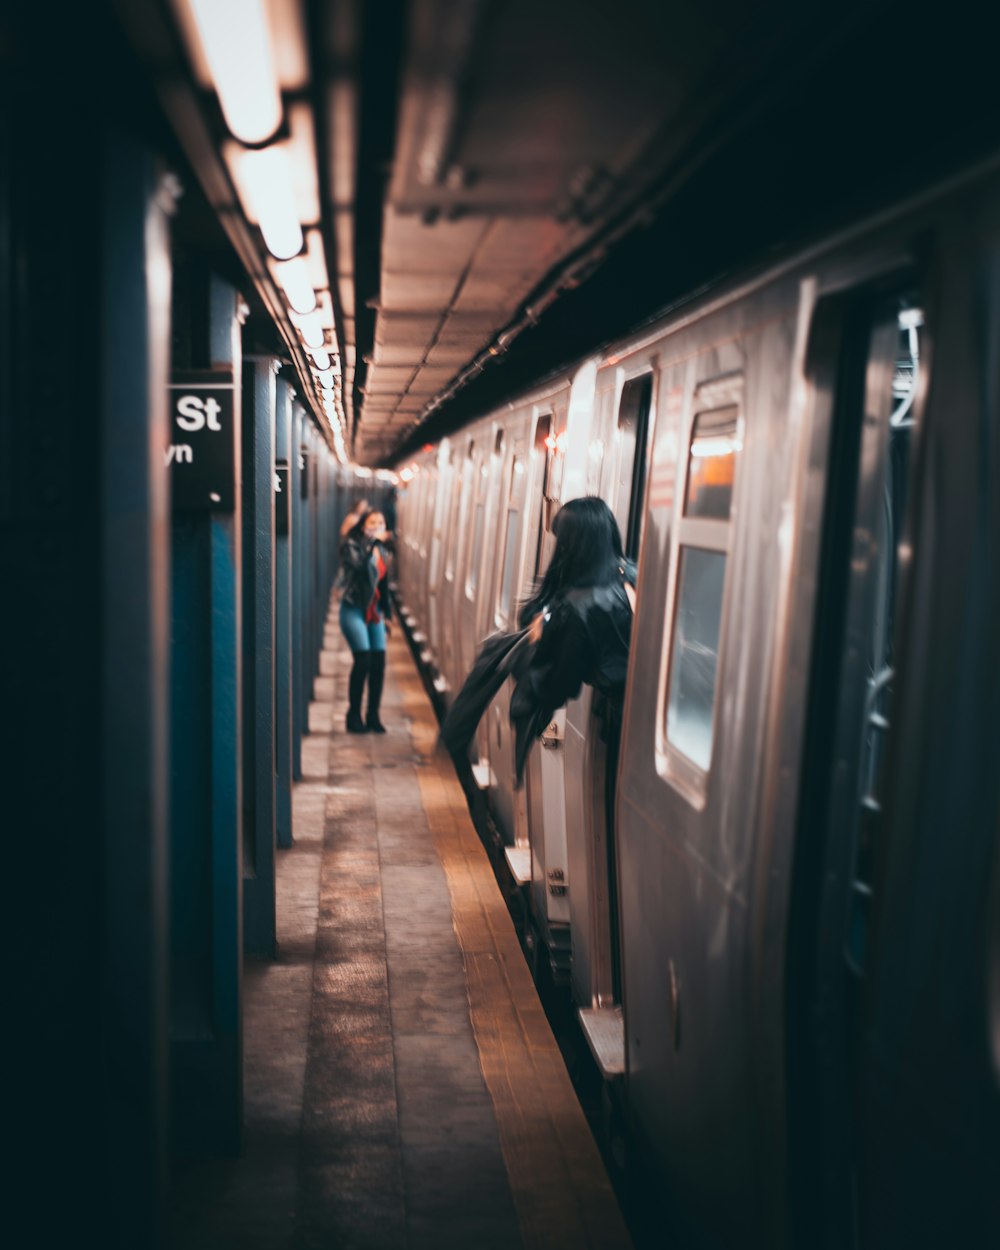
(373, 615)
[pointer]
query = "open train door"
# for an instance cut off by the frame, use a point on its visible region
(600, 1013)
(547, 866)
(930, 1012)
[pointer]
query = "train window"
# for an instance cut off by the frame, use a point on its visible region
(509, 560)
(459, 503)
(510, 537)
(695, 657)
(472, 581)
(426, 511)
(544, 448)
(714, 444)
(703, 537)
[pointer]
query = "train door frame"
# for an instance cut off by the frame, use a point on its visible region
(486, 575)
(857, 334)
(508, 802)
(544, 788)
(595, 926)
(604, 807)
(470, 559)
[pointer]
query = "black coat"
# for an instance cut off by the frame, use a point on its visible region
(585, 638)
(358, 578)
(501, 656)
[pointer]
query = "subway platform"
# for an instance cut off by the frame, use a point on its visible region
(402, 1085)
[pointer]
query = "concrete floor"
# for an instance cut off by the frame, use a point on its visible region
(402, 1086)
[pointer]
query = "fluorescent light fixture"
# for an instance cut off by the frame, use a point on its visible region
(267, 180)
(311, 329)
(321, 359)
(294, 278)
(237, 46)
(326, 381)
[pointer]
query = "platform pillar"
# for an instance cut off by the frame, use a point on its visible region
(206, 765)
(300, 706)
(134, 429)
(259, 845)
(283, 540)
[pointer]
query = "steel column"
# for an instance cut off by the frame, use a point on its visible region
(297, 467)
(284, 537)
(259, 398)
(206, 784)
(134, 487)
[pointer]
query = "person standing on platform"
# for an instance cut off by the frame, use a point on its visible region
(365, 611)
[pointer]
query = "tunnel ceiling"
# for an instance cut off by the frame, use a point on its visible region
(458, 167)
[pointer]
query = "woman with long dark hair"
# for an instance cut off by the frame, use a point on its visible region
(365, 611)
(574, 628)
(580, 617)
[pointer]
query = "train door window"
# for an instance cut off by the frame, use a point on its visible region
(695, 653)
(472, 581)
(442, 510)
(703, 538)
(426, 511)
(460, 504)
(508, 563)
(479, 527)
(544, 450)
(418, 503)
(632, 433)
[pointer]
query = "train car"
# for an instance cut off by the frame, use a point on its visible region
(805, 466)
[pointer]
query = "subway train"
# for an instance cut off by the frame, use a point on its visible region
(781, 937)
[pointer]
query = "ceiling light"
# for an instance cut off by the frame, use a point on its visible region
(311, 329)
(267, 180)
(321, 359)
(235, 40)
(294, 278)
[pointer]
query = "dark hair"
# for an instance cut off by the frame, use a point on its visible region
(588, 553)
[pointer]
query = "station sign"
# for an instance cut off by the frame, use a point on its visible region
(202, 452)
(282, 496)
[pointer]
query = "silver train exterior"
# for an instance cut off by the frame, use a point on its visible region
(785, 947)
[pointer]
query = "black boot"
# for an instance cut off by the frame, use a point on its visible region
(356, 688)
(376, 680)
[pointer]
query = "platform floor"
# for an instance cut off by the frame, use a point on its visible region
(403, 1088)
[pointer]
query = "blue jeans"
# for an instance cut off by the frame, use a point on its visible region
(360, 635)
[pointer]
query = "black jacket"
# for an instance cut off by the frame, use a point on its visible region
(585, 639)
(358, 578)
